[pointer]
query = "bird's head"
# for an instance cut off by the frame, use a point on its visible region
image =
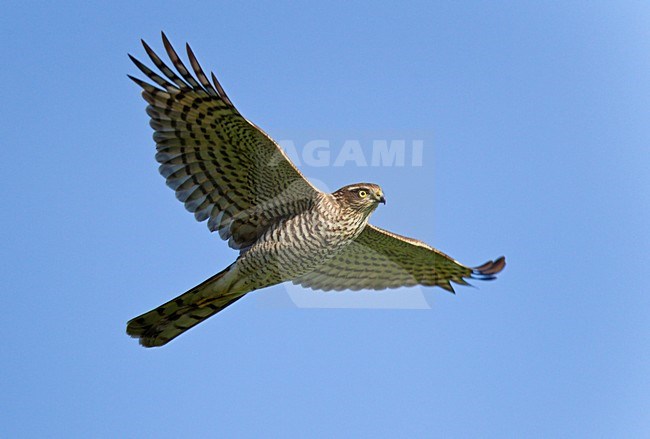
(363, 197)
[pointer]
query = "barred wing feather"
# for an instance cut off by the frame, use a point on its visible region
(379, 259)
(221, 166)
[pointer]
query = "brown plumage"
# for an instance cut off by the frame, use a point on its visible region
(229, 172)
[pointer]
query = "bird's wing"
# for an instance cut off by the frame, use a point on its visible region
(222, 167)
(379, 259)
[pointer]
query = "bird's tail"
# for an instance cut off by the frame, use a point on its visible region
(163, 324)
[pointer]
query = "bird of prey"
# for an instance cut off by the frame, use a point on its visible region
(229, 172)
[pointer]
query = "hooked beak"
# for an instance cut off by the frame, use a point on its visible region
(382, 199)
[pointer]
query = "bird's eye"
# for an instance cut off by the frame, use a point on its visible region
(363, 194)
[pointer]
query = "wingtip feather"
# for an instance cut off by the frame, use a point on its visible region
(490, 269)
(447, 286)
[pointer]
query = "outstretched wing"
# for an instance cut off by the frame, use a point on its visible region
(222, 167)
(379, 259)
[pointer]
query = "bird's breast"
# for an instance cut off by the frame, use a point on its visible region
(297, 245)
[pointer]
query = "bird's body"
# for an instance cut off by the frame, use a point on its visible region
(298, 244)
(229, 172)
(292, 247)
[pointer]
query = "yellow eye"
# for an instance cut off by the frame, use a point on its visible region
(363, 194)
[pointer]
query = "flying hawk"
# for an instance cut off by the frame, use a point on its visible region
(229, 172)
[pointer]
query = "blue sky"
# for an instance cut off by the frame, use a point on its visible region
(535, 121)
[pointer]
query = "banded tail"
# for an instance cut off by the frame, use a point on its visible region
(163, 324)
